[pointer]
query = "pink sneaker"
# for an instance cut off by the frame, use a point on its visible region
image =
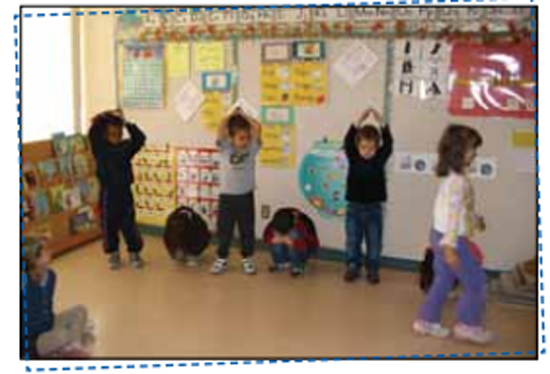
(473, 334)
(430, 329)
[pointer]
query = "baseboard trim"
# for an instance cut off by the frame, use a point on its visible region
(331, 254)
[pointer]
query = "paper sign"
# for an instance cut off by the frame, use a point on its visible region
(279, 146)
(209, 56)
(188, 101)
(355, 63)
(177, 59)
(275, 115)
(524, 139)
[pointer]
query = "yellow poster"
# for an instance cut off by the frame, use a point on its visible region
(177, 59)
(275, 84)
(309, 82)
(278, 146)
(209, 56)
(524, 139)
(212, 110)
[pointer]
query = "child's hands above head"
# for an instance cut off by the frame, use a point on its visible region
(366, 113)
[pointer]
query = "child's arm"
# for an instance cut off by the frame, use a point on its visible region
(350, 146)
(96, 138)
(450, 237)
(137, 139)
(386, 149)
(222, 134)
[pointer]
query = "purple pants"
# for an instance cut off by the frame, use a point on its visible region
(471, 305)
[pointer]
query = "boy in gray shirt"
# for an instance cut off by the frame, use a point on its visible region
(239, 141)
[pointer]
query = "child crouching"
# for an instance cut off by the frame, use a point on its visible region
(292, 238)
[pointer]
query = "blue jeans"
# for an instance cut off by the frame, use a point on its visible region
(282, 254)
(364, 223)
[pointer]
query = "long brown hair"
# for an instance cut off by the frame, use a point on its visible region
(453, 146)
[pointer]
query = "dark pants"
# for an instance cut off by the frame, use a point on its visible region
(364, 223)
(282, 254)
(118, 215)
(236, 210)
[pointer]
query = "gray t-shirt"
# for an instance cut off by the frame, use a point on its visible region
(238, 168)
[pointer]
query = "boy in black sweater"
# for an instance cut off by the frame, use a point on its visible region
(367, 152)
(113, 156)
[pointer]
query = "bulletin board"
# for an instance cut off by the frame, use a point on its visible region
(60, 192)
(415, 103)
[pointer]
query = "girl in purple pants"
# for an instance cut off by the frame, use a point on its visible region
(455, 221)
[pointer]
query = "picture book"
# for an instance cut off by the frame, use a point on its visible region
(56, 198)
(82, 220)
(48, 171)
(71, 198)
(30, 176)
(61, 144)
(41, 204)
(81, 166)
(78, 143)
(66, 169)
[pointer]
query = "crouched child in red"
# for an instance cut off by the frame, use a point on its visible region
(292, 238)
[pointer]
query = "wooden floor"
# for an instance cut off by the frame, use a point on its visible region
(166, 310)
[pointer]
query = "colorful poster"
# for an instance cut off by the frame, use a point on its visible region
(278, 146)
(209, 56)
(277, 115)
(212, 110)
(493, 80)
(322, 178)
(142, 76)
(177, 59)
(525, 139)
(355, 63)
(309, 83)
(275, 84)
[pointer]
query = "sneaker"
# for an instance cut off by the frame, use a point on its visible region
(136, 261)
(297, 271)
(219, 266)
(352, 273)
(192, 261)
(277, 268)
(473, 334)
(249, 267)
(373, 278)
(114, 261)
(430, 329)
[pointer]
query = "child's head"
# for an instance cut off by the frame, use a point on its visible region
(283, 222)
(240, 131)
(367, 141)
(37, 258)
(457, 149)
(112, 123)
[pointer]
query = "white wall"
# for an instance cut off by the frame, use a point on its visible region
(508, 203)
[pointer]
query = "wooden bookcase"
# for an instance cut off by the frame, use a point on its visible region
(57, 225)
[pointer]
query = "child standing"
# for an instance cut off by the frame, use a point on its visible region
(292, 236)
(367, 152)
(45, 334)
(239, 141)
(113, 156)
(455, 221)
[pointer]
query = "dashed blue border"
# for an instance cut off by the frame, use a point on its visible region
(260, 362)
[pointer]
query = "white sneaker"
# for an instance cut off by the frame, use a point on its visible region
(249, 267)
(430, 329)
(219, 266)
(473, 334)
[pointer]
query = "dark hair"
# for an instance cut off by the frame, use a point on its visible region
(455, 142)
(369, 133)
(237, 123)
(108, 118)
(283, 222)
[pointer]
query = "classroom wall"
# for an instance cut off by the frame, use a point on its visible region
(508, 202)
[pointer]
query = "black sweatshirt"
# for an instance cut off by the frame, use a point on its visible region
(114, 163)
(366, 182)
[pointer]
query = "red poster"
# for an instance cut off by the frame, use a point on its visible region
(492, 80)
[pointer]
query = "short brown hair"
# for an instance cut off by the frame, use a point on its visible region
(238, 123)
(369, 133)
(455, 142)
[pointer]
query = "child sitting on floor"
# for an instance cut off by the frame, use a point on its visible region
(186, 236)
(44, 333)
(292, 238)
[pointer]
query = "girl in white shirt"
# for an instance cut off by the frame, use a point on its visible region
(455, 222)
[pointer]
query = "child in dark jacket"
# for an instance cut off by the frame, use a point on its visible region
(367, 151)
(113, 156)
(292, 237)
